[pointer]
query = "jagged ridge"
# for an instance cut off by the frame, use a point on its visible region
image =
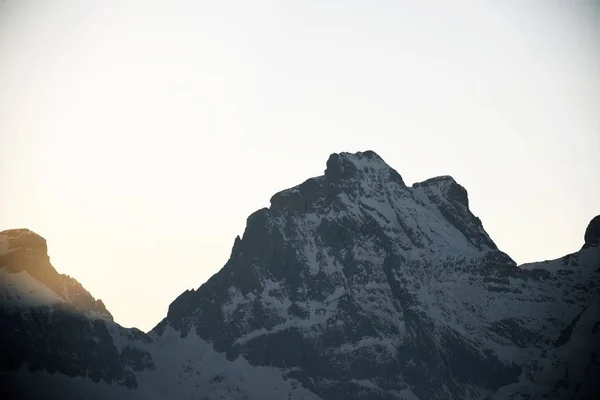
(353, 285)
(355, 265)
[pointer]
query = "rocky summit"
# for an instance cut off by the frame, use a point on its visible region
(24, 255)
(351, 285)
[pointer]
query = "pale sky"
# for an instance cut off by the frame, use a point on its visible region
(137, 137)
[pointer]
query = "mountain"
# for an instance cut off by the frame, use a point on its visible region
(51, 324)
(25, 264)
(351, 285)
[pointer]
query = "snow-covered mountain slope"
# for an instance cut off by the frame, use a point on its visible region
(360, 286)
(353, 285)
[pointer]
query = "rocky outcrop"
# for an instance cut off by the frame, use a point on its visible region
(60, 341)
(23, 251)
(592, 233)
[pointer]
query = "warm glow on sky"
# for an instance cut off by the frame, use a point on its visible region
(136, 137)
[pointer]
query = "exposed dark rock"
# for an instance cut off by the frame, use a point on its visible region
(137, 359)
(565, 335)
(516, 331)
(592, 233)
(59, 340)
(350, 285)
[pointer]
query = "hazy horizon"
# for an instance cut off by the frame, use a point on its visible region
(136, 137)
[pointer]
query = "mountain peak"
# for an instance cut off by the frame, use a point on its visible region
(25, 262)
(366, 164)
(448, 187)
(362, 184)
(344, 227)
(12, 239)
(354, 174)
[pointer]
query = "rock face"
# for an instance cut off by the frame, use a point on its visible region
(24, 252)
(353, 285)
(358, 286)
(592, 233)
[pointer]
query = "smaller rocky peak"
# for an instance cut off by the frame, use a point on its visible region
(592, 233)
(25, 250)
(24, 239)
(22, 250)
(361, 165)
(452, 201)
(446, 186)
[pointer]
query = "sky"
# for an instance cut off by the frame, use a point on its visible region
(137, 136)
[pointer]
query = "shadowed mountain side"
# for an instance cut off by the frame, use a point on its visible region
(351, 285)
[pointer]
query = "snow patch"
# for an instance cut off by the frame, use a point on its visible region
(235, 299)
(20, 290)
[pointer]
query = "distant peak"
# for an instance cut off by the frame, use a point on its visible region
(24, 251)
